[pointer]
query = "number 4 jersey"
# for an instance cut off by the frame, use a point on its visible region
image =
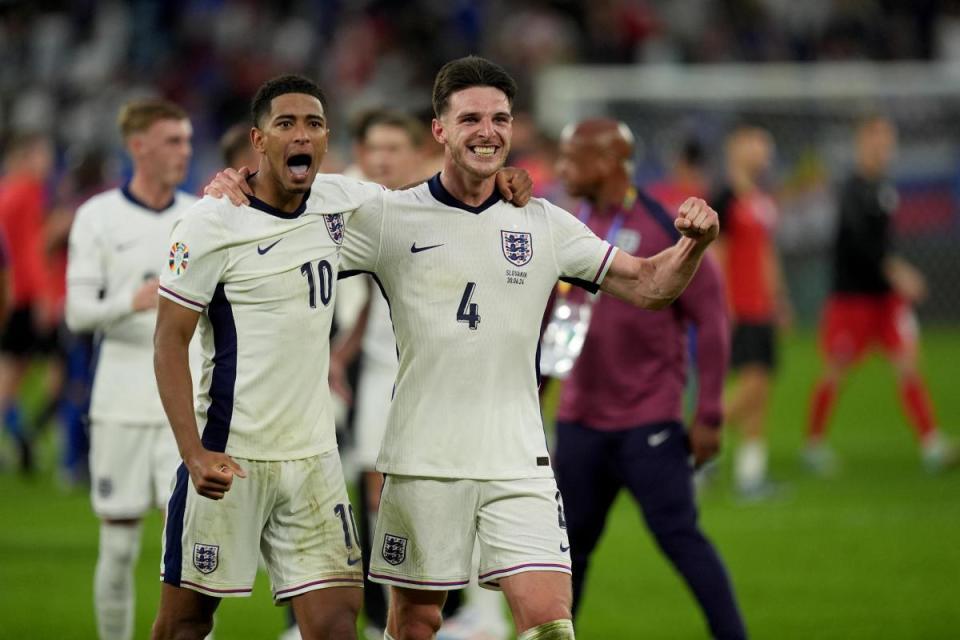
(263, 282)
(467, 287)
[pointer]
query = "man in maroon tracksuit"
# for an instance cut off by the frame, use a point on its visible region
(619, 423)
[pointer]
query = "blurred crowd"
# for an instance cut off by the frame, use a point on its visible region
(71, 64)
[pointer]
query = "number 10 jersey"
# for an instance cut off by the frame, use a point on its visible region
(467, 287)
(264, 284)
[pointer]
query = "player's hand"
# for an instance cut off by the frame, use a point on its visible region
(906, 280)
(698, 221)
(704, 443)
(231, 183)
(337, 379)
(515, 185)
(146, 297)
(212, 473)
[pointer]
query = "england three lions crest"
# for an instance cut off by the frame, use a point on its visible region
(335, 227)
(517, 247)
(206, 557)
(394, 549)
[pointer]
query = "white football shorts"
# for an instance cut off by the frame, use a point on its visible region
(131, 468)
(427, 527)
(295, 512)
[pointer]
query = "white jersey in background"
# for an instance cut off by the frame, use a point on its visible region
(467, 288)
(116, 243)
(265, 283)
(379, 344)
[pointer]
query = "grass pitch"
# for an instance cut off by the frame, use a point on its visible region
(872, 553)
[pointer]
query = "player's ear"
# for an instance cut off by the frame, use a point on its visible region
(256, 139)
(134, 144)
(436, 127)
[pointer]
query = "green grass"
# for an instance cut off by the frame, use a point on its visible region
(873, 553)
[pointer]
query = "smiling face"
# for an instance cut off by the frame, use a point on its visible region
(476, 128)
(292, 140)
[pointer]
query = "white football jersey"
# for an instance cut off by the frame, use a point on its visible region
(116, 243)
(264, 282)
(467, 287)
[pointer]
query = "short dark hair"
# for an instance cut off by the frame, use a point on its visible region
(279, 86)
(472, 71)
(397, 119)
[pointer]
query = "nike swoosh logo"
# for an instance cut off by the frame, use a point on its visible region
(263, 250)
(564, 549)
(415, 249)
(353, 561)
(123, 246)
(657, 439)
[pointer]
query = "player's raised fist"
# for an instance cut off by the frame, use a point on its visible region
(230, 183)
(697, 220)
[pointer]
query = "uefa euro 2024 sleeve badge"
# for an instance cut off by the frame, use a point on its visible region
(394, 549)
(179, 257)
(206, 557)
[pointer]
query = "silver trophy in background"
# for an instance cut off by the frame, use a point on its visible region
(565, 333)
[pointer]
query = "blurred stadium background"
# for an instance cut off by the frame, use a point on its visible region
(872, 553)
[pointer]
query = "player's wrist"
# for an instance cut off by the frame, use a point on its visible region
(711, 420)
(193, 453)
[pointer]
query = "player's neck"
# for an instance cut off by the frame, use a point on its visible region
(870, 171)
(742, 182)
(468, 189)
(153, 194)
(272, 193)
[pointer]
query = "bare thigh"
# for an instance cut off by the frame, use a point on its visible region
(328, 613)
(184, 614)
(537, 597)
(414, 613)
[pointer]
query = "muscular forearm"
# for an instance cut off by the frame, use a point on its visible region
(171, 364)
(670, 271)
(86, 311)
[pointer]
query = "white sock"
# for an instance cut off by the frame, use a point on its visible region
(750, 468)
(113, 580)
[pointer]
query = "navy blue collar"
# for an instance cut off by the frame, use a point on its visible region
(125, 190)
(260, 205)
(438, 191)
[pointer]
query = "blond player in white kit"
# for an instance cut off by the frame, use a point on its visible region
(117, 243)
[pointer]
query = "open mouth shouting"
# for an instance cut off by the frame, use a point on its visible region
(299, 166)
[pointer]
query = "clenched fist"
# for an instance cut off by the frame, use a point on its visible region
(698, 221)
